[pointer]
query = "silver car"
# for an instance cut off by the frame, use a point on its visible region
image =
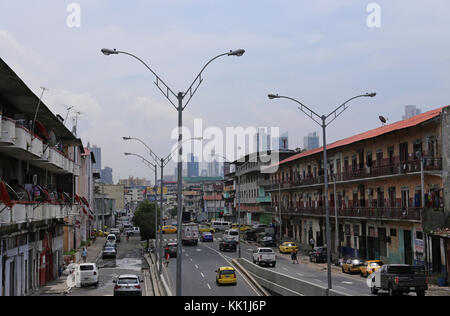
(109, 252)
(128, 285)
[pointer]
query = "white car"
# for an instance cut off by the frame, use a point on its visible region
(232, 234)
(88, 273)
(264, 256)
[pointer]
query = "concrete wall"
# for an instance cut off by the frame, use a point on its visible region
(283, 284)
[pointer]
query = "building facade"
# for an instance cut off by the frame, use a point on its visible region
(377, 187)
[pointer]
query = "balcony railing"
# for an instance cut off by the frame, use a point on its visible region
(430, 165)
(26, 212)
(8, 131)
(386, 213)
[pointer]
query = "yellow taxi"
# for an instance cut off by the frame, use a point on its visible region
(226, 275)
(244, 228)
(206, 229)
(370, 267)
(352, 265)
(169, 229)
(288, 247)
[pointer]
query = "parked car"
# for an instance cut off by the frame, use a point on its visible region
(288, 247)
(228, 244)
(136, 230)
(268, 241)
(88, 274)
(226, 275)
(220, 225)
(207, 236)
(318, 254)
(370, 267)
(244, 228)
(116, 232)
(264, 256)
(251, 235)
(109, 252)
(260, 226)
(171, 249)
(352, 265)
(110, 244)
(128, 285)
(398, 279)
(111, 238)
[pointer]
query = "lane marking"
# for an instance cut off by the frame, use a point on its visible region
(340, 287)
(300, 274)
(208, 286)
(196, 266)
(318, 280)
(202, 274)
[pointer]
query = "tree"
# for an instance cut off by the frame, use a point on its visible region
(144, 218)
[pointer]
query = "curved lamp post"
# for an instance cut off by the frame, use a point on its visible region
(322, 121)
(177, 100)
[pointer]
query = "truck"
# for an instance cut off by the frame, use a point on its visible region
(264, 256)
(189, 234)
(398, 279)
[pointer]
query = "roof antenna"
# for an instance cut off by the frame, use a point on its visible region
(37, 109)
(68, 108)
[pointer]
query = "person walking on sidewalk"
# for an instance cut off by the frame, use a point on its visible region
(84, 255)
(294, 256)
(312, 242)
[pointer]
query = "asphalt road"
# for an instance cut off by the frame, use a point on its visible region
(128, 261)
(200, 262)
(198, 269)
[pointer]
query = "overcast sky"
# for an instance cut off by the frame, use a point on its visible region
(321, 52)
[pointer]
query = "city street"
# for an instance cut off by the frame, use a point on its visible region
(128, 261)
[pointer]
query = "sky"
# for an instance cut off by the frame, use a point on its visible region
(320, 52)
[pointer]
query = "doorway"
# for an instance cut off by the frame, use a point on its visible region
(407, 240)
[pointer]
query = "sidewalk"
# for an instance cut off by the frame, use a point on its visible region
(59, 286)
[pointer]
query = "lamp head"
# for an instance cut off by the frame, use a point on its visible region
(373, 94)
(238, 52)
(127, 154)
(273, 96)
(108, 52)
(126, 138)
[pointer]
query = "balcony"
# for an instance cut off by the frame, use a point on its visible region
(263, 199)
(8, 131)
(432, 165)
(387, 214)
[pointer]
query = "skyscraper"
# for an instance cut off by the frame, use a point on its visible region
(311, 141)
(106, 175)
(410, 111)
(192, 166)
(98, 157)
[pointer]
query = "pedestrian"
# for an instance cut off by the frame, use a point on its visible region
(84, 255)
(294, 256)
(167, 259)
(312, 242)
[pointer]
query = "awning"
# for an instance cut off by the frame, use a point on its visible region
(4, 196)
(42, 129)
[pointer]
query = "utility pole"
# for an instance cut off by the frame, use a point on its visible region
(336, 232)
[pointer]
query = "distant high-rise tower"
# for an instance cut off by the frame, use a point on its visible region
(410, 111)
(106, 175)
(192, 166)
(311, 141)
(98, 158)
(284, 141)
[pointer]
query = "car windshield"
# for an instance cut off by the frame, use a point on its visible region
(126, 281)
(406, 270)
(109, 249)
(356, 261)
(227, 272)
(233, 233)
(289, 245)
(376, 264)
(87, 268)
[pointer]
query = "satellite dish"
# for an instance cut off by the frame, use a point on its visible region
(382, 119)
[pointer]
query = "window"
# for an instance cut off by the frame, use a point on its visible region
(419, 235)
(393, 232)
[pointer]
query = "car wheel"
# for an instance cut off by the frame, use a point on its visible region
(391, 291)
(273, 264)
(420, 293)
(373, 290)
(343, 270)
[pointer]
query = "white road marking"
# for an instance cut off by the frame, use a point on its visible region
(202, 274)
(208, 286)
(300, 274)
(346, 282)
(318, 280)
(196, 266)
(190, 259)
(285, 269)
(340, 287)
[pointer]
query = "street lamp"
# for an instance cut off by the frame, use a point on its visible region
(177, 100)
(161, 162)
(154, 168)
(322, 121)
